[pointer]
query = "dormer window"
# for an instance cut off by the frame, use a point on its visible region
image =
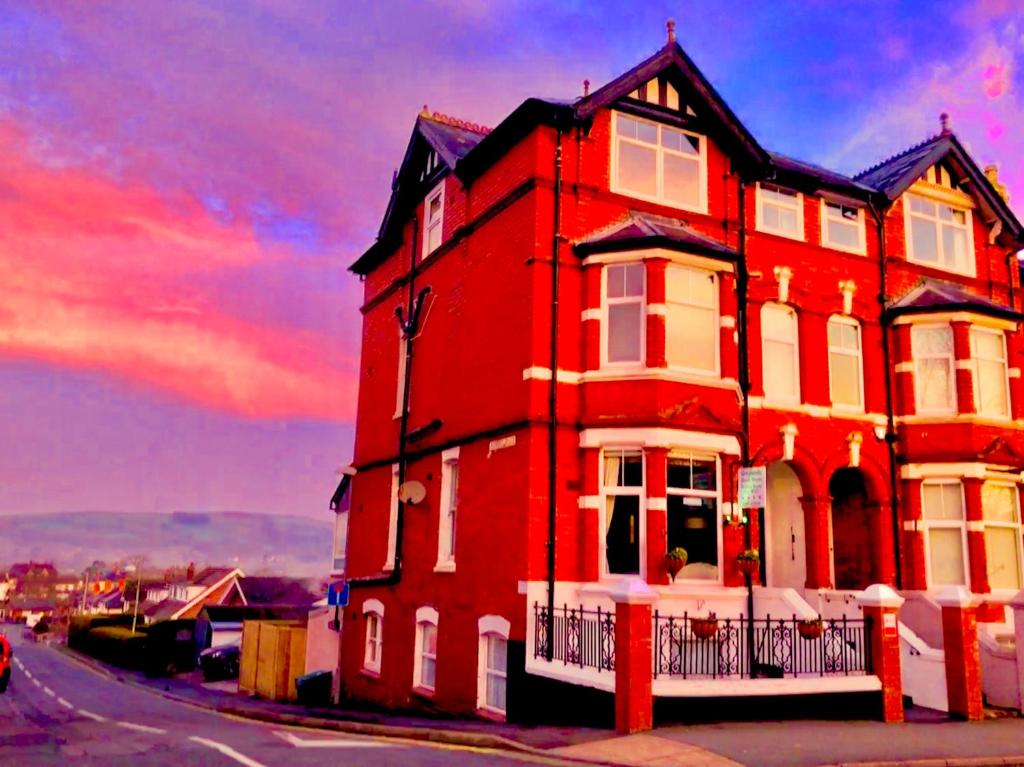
(433, 220)
(658, 163)
(938, 235)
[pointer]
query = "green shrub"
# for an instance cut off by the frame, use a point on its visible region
(116, 645)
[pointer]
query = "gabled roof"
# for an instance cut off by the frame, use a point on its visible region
(279, 591)
(239, 613)
(164, 609)
(936, 296)
(893, 176)
(814, 178)
(211, 576)
(700, 93)
(644, 230)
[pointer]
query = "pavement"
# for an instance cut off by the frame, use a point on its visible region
(928, 739)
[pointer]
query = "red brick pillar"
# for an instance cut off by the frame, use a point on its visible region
(977, 557)
(816, 535)
(903, 362)
(963, 661)
(1017, 605)
(964, 373)
(590, 498)
(914, 571)
(591, 317)
(634, 699)
(656, 460)
(885, 556)
(880, 605)
(656, 310)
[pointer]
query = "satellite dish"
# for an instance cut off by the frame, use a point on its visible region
(412, 492)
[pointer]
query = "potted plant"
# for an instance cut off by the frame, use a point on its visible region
(675, 561)
(704, 628)
(809, 628)
(748, 562)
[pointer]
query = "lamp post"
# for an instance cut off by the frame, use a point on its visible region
(138, 586)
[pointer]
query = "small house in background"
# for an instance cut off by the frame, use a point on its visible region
(185, 599)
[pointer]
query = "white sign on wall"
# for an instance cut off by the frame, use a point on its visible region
(753, 487)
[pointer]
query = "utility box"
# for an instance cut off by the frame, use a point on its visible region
(273, 655)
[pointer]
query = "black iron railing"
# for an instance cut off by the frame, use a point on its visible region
(696, 647)
(583, 638)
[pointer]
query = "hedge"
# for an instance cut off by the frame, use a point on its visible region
(80, 625)
(116, 645)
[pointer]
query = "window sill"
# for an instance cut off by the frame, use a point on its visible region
(654, 200)
(661, 374)
(783, 235)
(423, 692)
(370, 673)
(493, 714)
(444, 567)
(862, 251)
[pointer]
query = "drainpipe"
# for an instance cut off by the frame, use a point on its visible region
(890, 417)
(553, 399)
(408, 321)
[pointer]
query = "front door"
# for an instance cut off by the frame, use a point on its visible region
(786, 554)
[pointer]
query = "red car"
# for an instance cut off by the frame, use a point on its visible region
(5, 663)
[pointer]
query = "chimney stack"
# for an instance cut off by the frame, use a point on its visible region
(944, 123)
(670, 27)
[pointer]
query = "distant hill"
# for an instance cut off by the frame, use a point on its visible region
(258, 543)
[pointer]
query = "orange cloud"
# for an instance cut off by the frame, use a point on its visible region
(115, 278)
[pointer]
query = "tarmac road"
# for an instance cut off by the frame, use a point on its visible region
(59, 712)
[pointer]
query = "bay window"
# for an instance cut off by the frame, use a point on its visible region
(780, 211)
(934, 378)
(693, 513)
(658, 162)
(991, 384)
(625, 314)
(1000, 510)
(842, 227)
(942, 504)
(691, 321)
(781, 357)
(622, 488)
(845, 363)
(938, 235)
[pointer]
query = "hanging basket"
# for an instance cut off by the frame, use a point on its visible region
(704, 628)
(747, 566)
(675, 561)
(809, 629)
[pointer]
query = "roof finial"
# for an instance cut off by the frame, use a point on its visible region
(670, 27)
(944, 122)
(425, 111)
(586, 88)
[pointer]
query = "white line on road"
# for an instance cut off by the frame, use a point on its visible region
(298, 742)
(141, 728)
(48, 691)
(227, 751)
(91, 715)
(37, 683)
(28, 674)
(64, 703)
(17, 662)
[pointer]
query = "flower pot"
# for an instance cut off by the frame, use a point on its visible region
(748, 566)
(674, 565)
(809, 629)
(704, 628)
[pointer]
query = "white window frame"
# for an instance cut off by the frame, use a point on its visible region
(917, 359)
(447, 521)
(716, 494)
(945, 524)
(849, 321)
(389, 563)
(794, 398)
(340, 542)
(606, 302)
(1003, 360)
(716, 371)
(660, 152)
(425, 616)
(400, 372)
(760, 224)
(1015, 526)
(608, 491)
(373, 608)
(970, 268)
(490, 626)
(861, 248)
(431, 225)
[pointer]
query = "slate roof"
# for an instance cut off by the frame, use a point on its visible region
(644, 230)
(824, 177)
(280, 591)
(452, 139)
(211, 576)
(163, 609)
(938, 296)
(238, 613)
(893, 175)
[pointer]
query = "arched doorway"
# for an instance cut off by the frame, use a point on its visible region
(785, 538)
(853, 510)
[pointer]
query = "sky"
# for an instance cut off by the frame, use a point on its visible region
(183, 186)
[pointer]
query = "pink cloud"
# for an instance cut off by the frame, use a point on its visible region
(996, 79)
(113, 277)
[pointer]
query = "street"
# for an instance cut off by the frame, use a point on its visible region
(57, 711)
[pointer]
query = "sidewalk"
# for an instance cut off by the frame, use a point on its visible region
(925, 741)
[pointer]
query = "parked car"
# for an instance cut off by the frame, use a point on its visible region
(220, 662)
(5, 663)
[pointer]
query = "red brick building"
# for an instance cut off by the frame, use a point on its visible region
(605, 307)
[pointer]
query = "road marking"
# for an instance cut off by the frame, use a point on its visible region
(48, 691)
(64, 703)
(28, 674)
(141, 728)
(91, 715)
(226, 750)
(17, 662)
(37, 683)
(298, 742)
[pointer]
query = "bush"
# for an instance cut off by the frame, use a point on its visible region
(171, 647)
(80, 625)
(116, 645)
